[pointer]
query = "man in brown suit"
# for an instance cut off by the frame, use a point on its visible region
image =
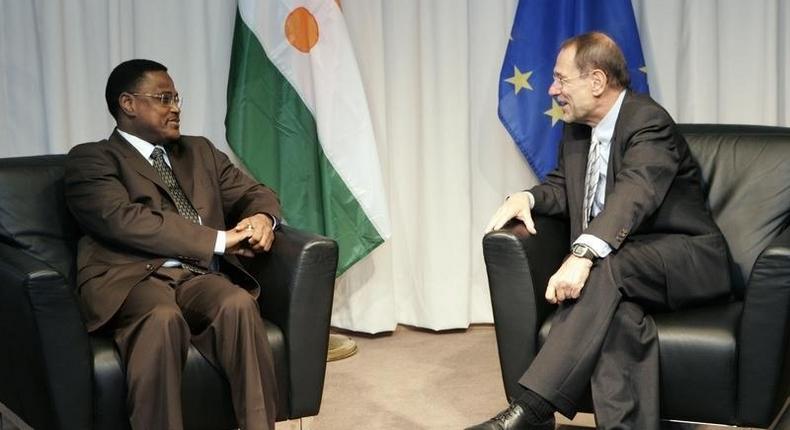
(158, 266)
(642, 240)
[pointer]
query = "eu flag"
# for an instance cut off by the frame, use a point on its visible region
(528, 113)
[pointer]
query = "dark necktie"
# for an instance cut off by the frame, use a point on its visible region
(182, 203)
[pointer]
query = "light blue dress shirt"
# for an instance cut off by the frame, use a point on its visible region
(604, 132)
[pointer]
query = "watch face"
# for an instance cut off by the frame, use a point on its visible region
(582, 251)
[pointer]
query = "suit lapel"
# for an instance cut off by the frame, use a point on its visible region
(183, 168)
(140, 164)
(183, 161)
(576, 170)
(614, 152)
(578, 165)
(180, 164)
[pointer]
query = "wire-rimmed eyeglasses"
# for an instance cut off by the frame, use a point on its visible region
(167, 99)
(561, 82)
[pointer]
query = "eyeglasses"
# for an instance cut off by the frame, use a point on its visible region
(167, 99)
(561, 82)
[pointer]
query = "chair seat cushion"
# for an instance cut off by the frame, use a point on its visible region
(205, 391)
(699, 362)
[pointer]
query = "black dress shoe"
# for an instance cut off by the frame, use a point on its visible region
(513, 418)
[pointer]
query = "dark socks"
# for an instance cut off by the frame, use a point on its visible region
(539, 410)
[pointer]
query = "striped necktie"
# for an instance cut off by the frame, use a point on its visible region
(591, 180)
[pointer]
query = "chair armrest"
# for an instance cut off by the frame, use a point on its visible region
(298, 281)
(765, 335)
(46, 361)
(519, 267)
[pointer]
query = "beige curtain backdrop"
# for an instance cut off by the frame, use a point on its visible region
(430, 70)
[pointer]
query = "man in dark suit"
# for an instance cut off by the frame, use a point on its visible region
(158, 266)
(642, 240)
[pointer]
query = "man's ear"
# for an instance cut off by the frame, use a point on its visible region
(127, 105)
(599, 82)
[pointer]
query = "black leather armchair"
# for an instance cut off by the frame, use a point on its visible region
(54, 375)
(727, 362)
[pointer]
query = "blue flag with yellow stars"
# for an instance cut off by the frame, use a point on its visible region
(528, 113)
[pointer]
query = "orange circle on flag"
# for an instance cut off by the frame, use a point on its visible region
(301, 29)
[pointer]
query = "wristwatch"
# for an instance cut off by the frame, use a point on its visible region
(583, 251)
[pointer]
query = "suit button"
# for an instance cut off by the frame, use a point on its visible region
(149, 266)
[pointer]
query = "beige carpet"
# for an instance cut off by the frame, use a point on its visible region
(413, 379)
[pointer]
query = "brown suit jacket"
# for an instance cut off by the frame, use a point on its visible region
(132, 226)
(653, 192)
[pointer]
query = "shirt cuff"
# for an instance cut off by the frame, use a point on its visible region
(219, 245)
(530, 197)
(599, 247)
(275, 221)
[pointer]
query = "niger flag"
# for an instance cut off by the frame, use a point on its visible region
(298, 120)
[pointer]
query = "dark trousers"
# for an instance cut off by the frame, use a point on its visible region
(605, 340)
(153, 330)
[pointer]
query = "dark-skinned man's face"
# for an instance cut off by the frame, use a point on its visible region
(146, 116)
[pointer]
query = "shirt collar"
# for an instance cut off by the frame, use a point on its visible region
(144, 148)
(605, 129)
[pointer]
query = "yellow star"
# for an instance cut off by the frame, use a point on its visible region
(555, 112)
(519, 80)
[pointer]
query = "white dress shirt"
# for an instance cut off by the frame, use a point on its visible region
(146, 149)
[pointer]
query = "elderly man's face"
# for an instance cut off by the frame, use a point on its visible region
(572, 88)
(153, 120)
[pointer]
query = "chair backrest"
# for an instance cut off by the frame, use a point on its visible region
(33, 212)
(746, 170)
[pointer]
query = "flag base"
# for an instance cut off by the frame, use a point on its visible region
(340, 347)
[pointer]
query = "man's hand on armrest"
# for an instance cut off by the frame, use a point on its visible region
(517, 205)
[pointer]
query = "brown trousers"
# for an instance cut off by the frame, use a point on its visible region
(153, 330)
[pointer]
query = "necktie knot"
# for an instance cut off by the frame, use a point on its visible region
(594, 144)
(158, 154)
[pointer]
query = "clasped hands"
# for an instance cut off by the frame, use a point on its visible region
(569, 280)
(250, 236)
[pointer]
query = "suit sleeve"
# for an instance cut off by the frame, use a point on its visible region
(651, 160)
(102, 206)
(551, 195)
(241, 195)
